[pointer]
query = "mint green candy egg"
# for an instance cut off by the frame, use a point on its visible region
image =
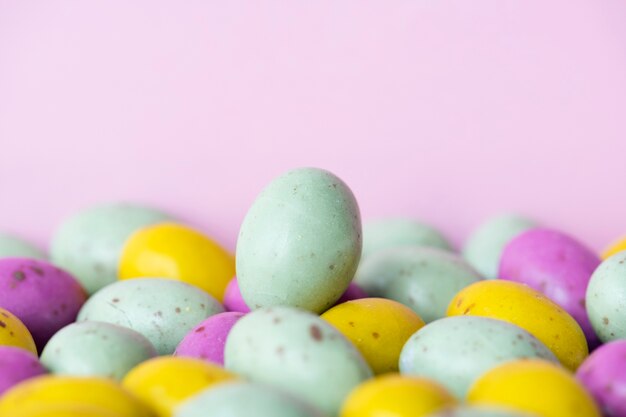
(245, 399)
(454, 351)
(89, 243)
(14, 247)
(297, 352)
(92, 348)
(300, 242)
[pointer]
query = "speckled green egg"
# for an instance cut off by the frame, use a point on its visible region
(225, 400)
(89, 243)
(93, 348)
(396, 232)
(163, 310)
(300, 242)
(606, 298)
(456, 350)
(298, 352)
(424, 279)
(468, 411)
(484, 247)
(14, 247)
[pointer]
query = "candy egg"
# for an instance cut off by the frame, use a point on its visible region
(17, 365)
(89, 243)
(454, 351)
(354, 292)
(297, 352)
(178, 252)
(14, 247)
(206, 340)
(44, 297)
(606, 298)
(66, 411)
(163, 310)
(556, 265)
(300, 242)
(14, 333)
(534, 386)
(484, 247)
(396, 396)
(424, 279)
(166, 382)
(225, 400)
(604, 376)
(615, 247)
(529, 309)
(389, 233)
(93, 348)
(377, 327)
(38, 394)
(467, 411)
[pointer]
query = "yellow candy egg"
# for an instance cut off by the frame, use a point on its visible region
(394, 395)
(615, 247)
(65, 392)
(378, 328)
(67, 411)
(535, 386)
(528, 309)
(14, 333)
(170, 250)
(164, 383)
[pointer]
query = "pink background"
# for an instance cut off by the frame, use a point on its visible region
(448, 111)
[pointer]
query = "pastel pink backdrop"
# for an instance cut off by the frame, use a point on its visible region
(448, 111)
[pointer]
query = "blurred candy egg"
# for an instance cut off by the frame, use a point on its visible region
(178, 252)
(15, 247)
(300, 242)
(166, 382)
(604, 376)
(14, 333)
(534, 386)
(225, 400)
(163, 310)
(484, 247)
(468, 411)
(377, 327)
(17, 365)
(529, 309)
(556, 265)
(297, 352)
(606, 298)
(389, 233)
(615, 247)
(89, 243)
(424, 279)
(454, 351)
(92, 348)
(206, 340)
(396, 396)
(233, 301)
(44, 297)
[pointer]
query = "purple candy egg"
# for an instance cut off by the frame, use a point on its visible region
(44, 297)
(206, 340)
(603, 373)
(16, 365)
(233, 301)
(354, 292)
(555, 264)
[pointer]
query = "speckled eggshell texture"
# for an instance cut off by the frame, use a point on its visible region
(300, 242)
(484, 247)
(298, 352)
(206, 340)
(89, 243)
(163, 310)
(424, 279)
(14, 247)
(244, 399)
(606, 298)
(456, 350)
(44, 297)
(92, 348)
(556, 265)
(17, 365)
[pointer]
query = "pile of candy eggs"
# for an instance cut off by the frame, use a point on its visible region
(135, 314)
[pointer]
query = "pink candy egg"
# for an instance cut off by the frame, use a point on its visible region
(16, 365)
(206, 340)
